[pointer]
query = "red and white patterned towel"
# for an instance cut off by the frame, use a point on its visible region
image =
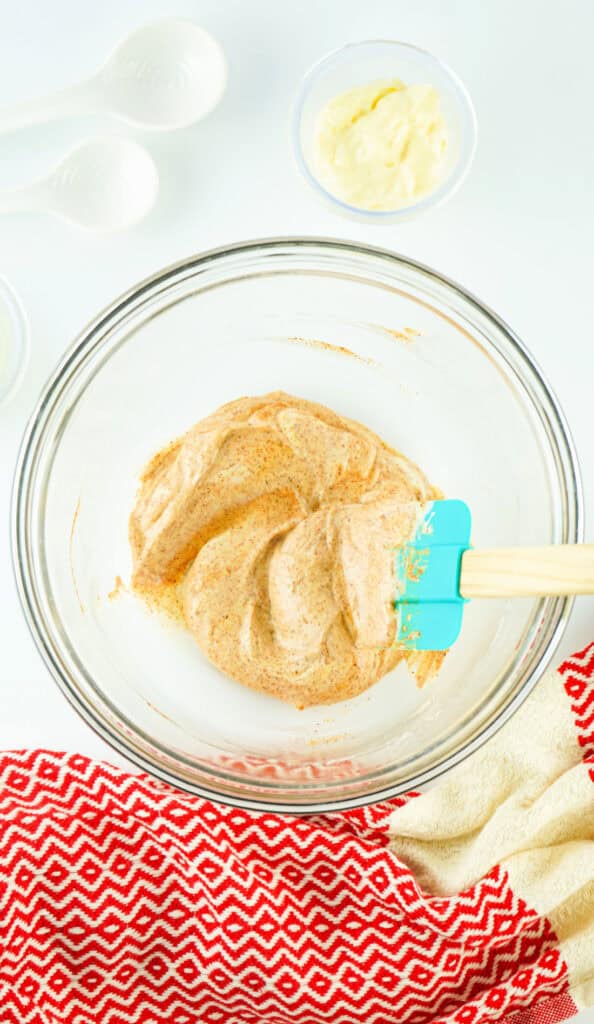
(123, 901)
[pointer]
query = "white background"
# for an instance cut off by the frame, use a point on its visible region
(518, 234)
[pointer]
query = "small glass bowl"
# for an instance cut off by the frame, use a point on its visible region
(361, 63)
(13, 355)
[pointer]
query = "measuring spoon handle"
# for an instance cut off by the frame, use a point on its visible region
(82, 98)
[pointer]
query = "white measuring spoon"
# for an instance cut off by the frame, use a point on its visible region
(103, 185)
(165, 75)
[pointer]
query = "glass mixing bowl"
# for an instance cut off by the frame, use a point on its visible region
(376, 337)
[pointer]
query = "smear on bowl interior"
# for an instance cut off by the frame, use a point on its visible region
(274, 521)
(381, 146)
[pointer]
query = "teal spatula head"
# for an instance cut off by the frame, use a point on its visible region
(429, 606)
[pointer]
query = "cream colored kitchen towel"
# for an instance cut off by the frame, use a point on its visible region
(523, 803)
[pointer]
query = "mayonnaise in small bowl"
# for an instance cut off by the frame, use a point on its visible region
(383, 130)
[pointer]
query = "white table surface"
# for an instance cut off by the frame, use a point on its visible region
(518, 234)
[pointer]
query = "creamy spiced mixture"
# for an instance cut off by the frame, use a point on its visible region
(274, 521)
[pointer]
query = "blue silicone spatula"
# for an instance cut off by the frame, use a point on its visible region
(439, 571)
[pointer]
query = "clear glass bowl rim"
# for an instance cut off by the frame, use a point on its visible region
(439, 195)
(87, 344)
(21, 341)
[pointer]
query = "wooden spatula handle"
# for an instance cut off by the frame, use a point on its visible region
(528, 572)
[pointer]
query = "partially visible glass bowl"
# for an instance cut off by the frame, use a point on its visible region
(359, 64)
(14, 341)
(374, 336)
